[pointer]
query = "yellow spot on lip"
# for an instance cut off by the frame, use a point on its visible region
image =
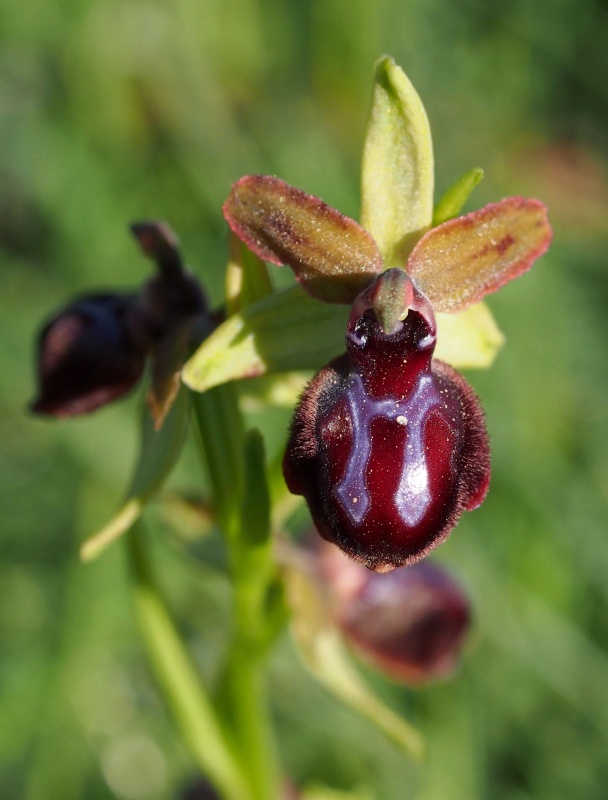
(401, 420)
(354, 499)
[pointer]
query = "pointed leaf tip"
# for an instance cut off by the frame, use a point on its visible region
(462, 260)
(332, 257)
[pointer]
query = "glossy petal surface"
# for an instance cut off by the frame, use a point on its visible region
(462, 260)
(332, 257)
(387, 446)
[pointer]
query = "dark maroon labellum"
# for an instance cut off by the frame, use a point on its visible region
(87, 356)
(410, 624)
(388, 446)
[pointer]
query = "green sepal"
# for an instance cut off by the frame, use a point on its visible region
(247, 278)
(284, 332)
(453, 200)
(397, 178)
(469, 340)
(158, 453)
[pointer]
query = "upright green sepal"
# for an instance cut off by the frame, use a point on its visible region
(397, 169)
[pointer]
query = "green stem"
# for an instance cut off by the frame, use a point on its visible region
(236, 468)
(245, 687)
(180, 684)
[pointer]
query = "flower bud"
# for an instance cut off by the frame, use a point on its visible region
(87, 356)
(410, 624)
(199, 789)
(387, 445)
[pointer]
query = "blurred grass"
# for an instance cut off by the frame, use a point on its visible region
(112, 111)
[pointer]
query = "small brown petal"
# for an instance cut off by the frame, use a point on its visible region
(331, 255)
(462, 260)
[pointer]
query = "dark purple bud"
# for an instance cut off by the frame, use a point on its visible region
(410, 624)
(199, 789)
(174, 296)
(387, 445)
(173, 309)
(88, 355)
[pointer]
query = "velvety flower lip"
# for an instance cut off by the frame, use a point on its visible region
(388, 445)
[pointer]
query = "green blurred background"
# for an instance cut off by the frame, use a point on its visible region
(118, 110)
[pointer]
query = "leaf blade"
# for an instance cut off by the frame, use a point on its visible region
(159, 451)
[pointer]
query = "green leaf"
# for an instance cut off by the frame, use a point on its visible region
(397, 170)
(159, 451)
(247, 278)
(220, 428)
(456, 196)
(187, 699)
(331, 255)
(462, 260)
(469, 340)
(284, 332)
(324, 653)
(166, 363)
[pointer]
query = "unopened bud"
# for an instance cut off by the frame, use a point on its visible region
(87, 356)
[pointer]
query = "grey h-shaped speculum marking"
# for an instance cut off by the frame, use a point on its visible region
(413, 494)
